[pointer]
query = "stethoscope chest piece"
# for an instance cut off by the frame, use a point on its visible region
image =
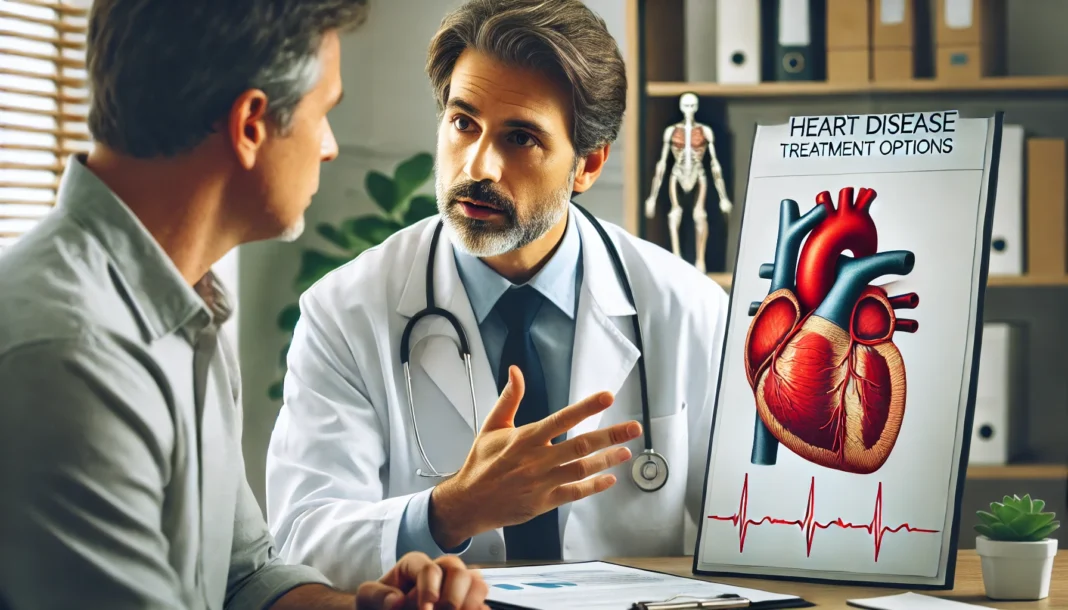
(649, 470)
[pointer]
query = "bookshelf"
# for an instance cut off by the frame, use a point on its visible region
(656, 52)
(1006, 84)
(1022, 472)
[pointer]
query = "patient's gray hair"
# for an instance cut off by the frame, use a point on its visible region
(163, 73)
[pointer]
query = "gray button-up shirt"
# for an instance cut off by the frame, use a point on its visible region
(122, 483)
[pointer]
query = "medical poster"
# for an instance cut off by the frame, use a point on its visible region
(838, 447)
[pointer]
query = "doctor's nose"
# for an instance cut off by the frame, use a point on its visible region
(483, 162)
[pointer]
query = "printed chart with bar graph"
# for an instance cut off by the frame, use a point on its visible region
(850, 355)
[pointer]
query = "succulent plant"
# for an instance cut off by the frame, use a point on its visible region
(1017, 519)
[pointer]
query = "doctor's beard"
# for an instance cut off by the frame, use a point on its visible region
(492, 238)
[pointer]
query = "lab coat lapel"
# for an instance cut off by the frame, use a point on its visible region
(603, 356)
(440, 358)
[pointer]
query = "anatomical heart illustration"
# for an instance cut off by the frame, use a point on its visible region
(828, 381)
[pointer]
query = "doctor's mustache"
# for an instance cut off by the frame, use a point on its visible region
(484, 192)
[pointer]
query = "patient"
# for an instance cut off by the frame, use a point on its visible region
(122, 483)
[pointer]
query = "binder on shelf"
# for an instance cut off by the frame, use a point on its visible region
(897, 34)
(700, 54)
(894, 24)
(1007, 235)
(849, 41)
(1047, 198)
(794, 37)
(892, 65)
(738, 52)
(997, 425)
(970, 39)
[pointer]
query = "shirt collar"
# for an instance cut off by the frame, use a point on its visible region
(556, 280)
(159, 293)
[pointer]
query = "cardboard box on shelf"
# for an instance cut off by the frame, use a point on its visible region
(969, 38)
(1047, 207)
(849, 66)
(848, 24)
(893, 24)
(893, 65)
(849, 41)
(901, 40)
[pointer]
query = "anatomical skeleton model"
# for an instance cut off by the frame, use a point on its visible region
(688, 142)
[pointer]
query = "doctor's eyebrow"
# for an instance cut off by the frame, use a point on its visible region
(469, 108)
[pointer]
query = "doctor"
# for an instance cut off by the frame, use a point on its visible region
(379, 450)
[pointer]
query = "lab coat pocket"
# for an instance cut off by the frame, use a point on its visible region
(628, 521)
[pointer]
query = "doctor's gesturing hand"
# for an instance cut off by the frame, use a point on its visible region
(514, 474)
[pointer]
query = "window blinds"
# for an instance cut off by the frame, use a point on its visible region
(43, 102)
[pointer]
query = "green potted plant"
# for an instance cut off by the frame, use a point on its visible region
(1015, 548)
(398, 206)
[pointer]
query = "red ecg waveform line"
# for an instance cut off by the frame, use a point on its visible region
(809, 525)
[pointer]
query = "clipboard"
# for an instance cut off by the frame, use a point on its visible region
(685, 602)
(681, 603)
(601, 585)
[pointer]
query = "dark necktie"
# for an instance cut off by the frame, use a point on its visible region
(538, 538)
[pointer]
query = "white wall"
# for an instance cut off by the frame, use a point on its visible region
(388, 114)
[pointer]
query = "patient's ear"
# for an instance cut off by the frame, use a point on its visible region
(589, 169)
(247, 126)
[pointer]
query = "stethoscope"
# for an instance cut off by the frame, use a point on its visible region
(649, 470)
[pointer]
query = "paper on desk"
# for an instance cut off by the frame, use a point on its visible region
(598, 585)
(910, 601)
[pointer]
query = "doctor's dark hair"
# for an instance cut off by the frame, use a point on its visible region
(162, 73)
(562, 38)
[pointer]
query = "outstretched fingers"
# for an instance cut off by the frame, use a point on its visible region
(573, 492)
(570, 416)
(590, 442)
(586, 467)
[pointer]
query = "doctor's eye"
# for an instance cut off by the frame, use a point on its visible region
(523, 138)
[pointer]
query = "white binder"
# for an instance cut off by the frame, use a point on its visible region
(794, 28)
(1007, 245)
(992, 427)
(701, 54)
(738, 41)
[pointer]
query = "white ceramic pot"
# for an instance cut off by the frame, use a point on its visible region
(1016, 570)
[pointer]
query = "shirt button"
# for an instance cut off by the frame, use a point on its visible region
(494, 550)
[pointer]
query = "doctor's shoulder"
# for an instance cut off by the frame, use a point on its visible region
(376, 273)
(673, 284)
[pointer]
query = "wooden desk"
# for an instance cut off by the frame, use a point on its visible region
(968, 584)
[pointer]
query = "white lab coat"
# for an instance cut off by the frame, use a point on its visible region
(342, 458)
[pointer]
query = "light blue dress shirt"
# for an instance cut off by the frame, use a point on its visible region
(553, 332)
